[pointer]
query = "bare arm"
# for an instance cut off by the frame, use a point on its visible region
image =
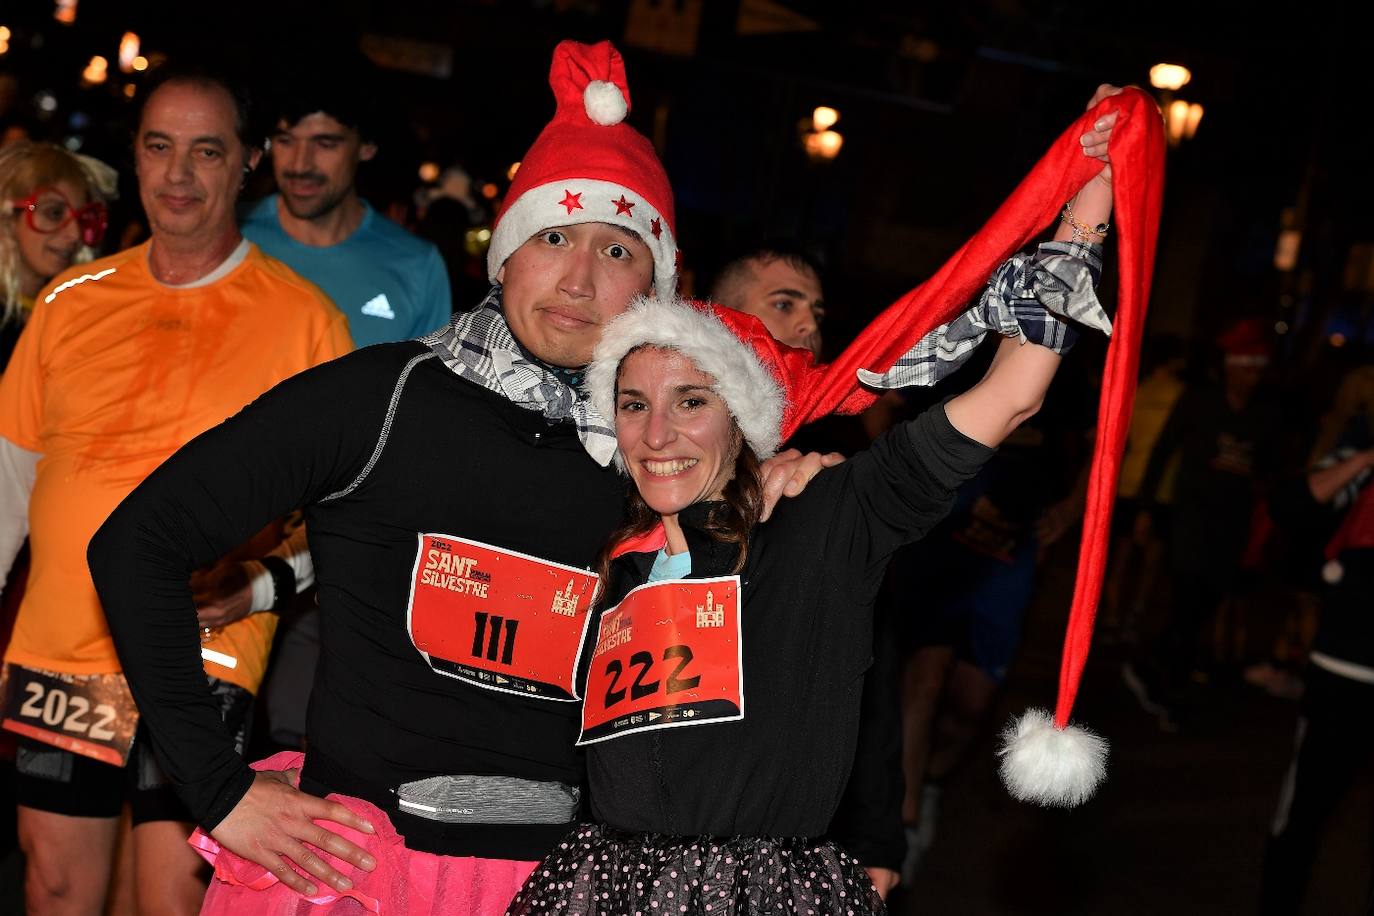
(1326, 483)
(1015, 384)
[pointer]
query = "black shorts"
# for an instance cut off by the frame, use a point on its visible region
(50, 779)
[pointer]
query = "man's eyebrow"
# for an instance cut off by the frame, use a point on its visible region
(626, 231)
(784, 291)
(209, 140)
(682, 389)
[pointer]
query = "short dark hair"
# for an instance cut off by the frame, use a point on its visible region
(793, 254)
(333, 83)
(209, 75)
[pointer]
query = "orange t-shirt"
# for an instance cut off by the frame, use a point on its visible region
(114, 372)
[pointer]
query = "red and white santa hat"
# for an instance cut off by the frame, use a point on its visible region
(589, 166)
(764, 383)
(1355, 533)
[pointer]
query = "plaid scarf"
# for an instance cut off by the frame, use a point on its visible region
(1025, 298)
(479, 346)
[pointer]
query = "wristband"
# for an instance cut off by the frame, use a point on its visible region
(283, 580)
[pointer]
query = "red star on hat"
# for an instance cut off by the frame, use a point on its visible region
(571, 201)
(655, 227)
(623, 206)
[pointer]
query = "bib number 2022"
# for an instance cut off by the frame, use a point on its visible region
(54, 708)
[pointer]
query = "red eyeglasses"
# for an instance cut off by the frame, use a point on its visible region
(48, 210)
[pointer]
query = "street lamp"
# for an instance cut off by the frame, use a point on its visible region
(820, 142)
(1181, 118)
(128, 51)
(1171, 77)
(95, 71)
(824, 145)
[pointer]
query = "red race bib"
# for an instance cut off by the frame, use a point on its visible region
(92, 715)
(499, 619)
(669, 655)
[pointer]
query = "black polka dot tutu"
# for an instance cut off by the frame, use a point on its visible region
(600, 871)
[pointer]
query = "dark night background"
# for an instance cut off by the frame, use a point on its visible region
(944, 107)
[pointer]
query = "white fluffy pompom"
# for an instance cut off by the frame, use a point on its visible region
(604, 103)
(1333, 572)
(1051, 766)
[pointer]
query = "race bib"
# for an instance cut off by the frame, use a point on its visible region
(669, 655)
(499, 619)
(92, 715)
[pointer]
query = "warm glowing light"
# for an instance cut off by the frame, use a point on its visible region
(1338, 339)
(140, 63)
(65, 12)
(1287, 248)
(429, 171)
(1191, 122)
(476, 241)
(128, 50)
(824, 145)
(489, 191)
(1281, 327)
(510, 172)
(96, 70)
(1169, 76)
(129, 90)
(4, 33)
(824, 118)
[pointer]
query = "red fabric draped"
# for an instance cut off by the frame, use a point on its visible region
(1137, 154)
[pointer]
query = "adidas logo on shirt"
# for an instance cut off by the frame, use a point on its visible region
(378, 307)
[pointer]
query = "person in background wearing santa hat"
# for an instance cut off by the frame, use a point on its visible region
(721, 687)
(1333, 505)
(1224, 437)
(452, 512)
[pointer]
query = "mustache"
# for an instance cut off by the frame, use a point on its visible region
(303, 176)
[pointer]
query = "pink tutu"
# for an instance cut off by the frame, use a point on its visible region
(404, 883)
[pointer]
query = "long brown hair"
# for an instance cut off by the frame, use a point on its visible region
(731, 523)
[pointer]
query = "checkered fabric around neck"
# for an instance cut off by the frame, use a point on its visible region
(479, 347)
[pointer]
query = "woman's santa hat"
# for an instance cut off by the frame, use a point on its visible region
(1355, 533)
(753, 372)
(589, 166)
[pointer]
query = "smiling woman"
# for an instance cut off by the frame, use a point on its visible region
(53, 217)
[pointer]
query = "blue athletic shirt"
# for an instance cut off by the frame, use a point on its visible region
(391, 285)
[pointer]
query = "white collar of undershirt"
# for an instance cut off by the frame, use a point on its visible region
(234, 260)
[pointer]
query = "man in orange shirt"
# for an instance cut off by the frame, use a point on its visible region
(124, 361)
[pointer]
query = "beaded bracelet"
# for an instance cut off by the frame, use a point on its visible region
(1081, 231)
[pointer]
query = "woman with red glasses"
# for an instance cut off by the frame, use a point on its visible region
(52, 215)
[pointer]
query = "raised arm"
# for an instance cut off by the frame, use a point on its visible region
(1015, 384)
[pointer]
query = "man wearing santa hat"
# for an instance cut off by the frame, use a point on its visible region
(446, 486)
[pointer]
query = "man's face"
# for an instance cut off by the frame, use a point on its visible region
(315, 161)
(190, 162)
(564, 284)
(786, 299)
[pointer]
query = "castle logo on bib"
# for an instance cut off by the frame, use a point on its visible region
(378, 307)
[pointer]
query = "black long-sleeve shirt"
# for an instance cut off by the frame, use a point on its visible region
(808, 586)
(378, 447)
